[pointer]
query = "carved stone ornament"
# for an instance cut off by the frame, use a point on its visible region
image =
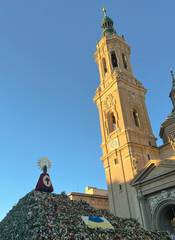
(109, 101)
(132, 97)
(154, 201)
(134, 164)
(172, 141)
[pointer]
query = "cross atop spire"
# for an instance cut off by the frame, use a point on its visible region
(104, 10)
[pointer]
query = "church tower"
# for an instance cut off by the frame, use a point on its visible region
(167, 130)
(128, 142)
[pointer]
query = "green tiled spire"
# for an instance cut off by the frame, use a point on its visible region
(173, 82)
(107, 25)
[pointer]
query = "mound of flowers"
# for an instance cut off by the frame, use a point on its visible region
(42, 216)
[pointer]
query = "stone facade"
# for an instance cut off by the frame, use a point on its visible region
(140, 175)
(155, 187)
(98, 198)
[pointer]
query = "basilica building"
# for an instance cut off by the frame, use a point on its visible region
(140, 176)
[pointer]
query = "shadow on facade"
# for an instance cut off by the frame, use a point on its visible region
(154, 210)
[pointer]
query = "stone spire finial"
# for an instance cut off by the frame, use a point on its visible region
(172, 93)
(172, 74)
(172, 142)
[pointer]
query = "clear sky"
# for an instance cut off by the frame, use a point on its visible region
(48, 78)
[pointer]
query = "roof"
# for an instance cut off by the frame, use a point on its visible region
(155, 169)
(171, 116)
(166, 121)
(87, 195)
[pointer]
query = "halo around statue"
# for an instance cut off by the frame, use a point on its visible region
(44, 162)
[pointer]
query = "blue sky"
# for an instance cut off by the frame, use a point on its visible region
(48, 78)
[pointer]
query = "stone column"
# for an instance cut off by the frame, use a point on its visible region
(144, 210)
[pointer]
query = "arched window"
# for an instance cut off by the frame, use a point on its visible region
(136, 118)
(124, 61)
(104, 66)
(114, 60)
(111, 122)
(116, 161)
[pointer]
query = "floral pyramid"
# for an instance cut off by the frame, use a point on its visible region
(42, 216)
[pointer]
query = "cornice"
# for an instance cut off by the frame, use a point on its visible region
(87, 195)
(117, 78)
(163, 186)
(154, 178)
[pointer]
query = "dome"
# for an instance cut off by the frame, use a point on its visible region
(107, 25)
(106, 20)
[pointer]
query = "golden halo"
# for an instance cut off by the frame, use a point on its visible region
(44, 161)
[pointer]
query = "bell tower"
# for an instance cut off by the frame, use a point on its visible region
(128, 142)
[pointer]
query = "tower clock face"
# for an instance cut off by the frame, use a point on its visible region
(114, 144)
